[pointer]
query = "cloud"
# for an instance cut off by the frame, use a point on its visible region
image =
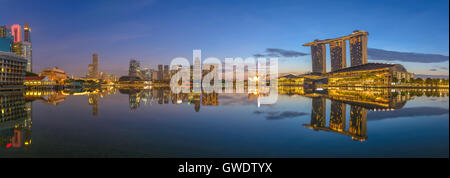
(441, 68)
(407, 112)
(433, 70)
(380, 54)
(276, 52)
(282, 115)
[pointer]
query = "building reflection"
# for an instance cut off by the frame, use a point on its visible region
(15, 120)
(359, 101)
(162, 96)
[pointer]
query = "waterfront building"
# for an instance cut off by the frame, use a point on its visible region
(54, 74)
(338, 55)
(12, 70)
(291, 80)
(358, 51)
(38, 81)
(318, 53)
(370, 74)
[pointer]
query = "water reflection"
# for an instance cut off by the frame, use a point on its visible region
(360, 101)
(15, 120)
(350, 108)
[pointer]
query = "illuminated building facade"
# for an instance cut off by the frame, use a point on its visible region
(11, 40)
(291, 80)
(318, 52)
(54, 74)
(370, 74)
(358, 50)
(27, 48)
(338, 53)
(12, 70)
(38, 81)
(16, 31)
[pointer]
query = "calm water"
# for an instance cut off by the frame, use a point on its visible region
(156, 123)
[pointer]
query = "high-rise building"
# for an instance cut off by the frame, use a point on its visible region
(16, 31)
(338, 55)
(93, 68)
(6, 39)
(318, 52)
(166, 73)
(134, 69)
(27, 49)
(160, 72)
(26, 33)
(358, 49)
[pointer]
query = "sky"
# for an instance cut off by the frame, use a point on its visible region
(66, 33)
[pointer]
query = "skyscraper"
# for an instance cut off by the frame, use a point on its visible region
(318, 52)
(338, 55)
(27, 49)
(93, 68)
(166, 73)
(358, 49)
(6, 39)
(16, 31)
(26, 33)
(134, 69)
(160, 72)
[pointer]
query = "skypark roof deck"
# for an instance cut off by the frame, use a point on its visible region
(326, 41)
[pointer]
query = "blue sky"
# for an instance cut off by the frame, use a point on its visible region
(66, 33)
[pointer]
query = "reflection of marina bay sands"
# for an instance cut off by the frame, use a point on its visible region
(338, 50)
(358, 119)
(359, 106)
(360, 101)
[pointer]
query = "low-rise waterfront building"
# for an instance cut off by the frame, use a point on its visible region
(38, 81)
(291, 80)
(54, 74)
(12, 70)
(370, 74)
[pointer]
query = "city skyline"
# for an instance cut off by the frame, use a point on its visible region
(149, 31)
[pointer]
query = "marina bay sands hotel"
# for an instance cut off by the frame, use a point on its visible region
(338, 52)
